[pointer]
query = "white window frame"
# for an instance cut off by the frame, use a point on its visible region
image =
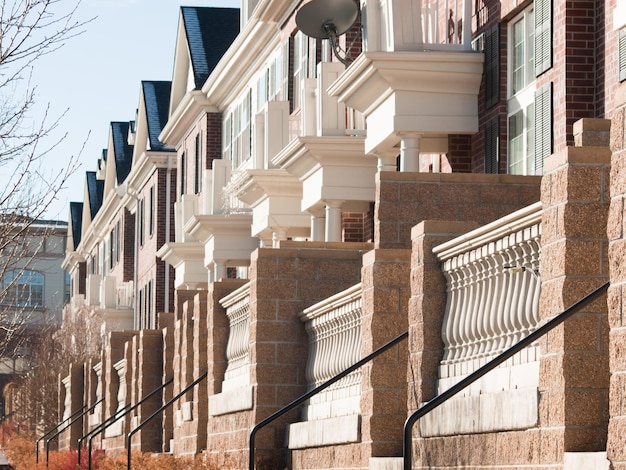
(521, 100)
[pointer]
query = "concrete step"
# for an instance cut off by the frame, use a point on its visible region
(385, 463)
(585, 461)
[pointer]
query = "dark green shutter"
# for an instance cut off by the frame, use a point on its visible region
(492, 66)
(492, 145)
(543, 126)
(543, 36)
(622, 55)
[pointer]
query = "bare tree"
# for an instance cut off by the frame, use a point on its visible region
(29, 29)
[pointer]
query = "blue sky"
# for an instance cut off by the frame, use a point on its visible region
(96, 77)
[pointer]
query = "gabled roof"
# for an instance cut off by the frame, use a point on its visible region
(209, 32)
(156, 95)
(122, 151)
(95, 193)
(76, 221)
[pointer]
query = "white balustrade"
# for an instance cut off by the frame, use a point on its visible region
(334, 329)
(93, 289)
(237, 307)
(493, 293)
(125, 295)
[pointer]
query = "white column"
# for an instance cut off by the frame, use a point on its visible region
(219, 272)
(277, 236)
(333, 221)
(410, 153)
(318, 228)
(386, 162)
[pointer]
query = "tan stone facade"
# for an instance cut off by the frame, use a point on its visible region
(266, 307)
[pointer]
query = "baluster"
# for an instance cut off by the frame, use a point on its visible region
(457, 315)
(519, 282)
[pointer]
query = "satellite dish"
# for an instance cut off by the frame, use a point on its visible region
(327, 19)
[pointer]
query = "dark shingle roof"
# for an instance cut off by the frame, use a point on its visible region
(76, 217)
(156, 97)
(210, 32)
(95, 193)
(122, 151)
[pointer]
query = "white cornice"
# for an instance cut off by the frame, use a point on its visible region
(72, 258)
(175, 254)
(145, 166)
(254, 186)
(193, 105)
(374, 76)
(203, 226)
(304, 155)
(240, 62)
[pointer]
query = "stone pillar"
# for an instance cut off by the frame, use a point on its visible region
(166, 325)
(73, 401)
(149, 377)
(574, 373)
(616, 230)
(386, 291)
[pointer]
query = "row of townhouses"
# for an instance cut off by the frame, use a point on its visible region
(445, 175)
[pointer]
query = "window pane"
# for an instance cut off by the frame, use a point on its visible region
(516, 143)
(518, 56)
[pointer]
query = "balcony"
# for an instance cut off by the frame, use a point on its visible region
(417, 80)
(223, 227)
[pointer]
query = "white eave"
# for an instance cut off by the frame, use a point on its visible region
(193, 105)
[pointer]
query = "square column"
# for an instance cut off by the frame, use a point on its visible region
(574, 369)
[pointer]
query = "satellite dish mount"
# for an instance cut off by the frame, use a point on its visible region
(328, 19)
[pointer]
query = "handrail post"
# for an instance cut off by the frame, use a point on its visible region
(407, 450)
(67, 426)
(116, 416)
(49, 431)
(316, 390)
(157, 412)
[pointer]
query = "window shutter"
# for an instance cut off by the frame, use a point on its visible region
(492, 145)
(622, 55)
(543, 126)
(543, 36)
(492, 66)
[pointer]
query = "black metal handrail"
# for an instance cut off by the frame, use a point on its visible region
(157, 412)
(67, 426)
(118, 415)
(316, 390)
(51, 430)
(528, 340)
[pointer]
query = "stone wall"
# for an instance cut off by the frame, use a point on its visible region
(283, 282)
(616, 445)
(573, 383)
(406, 199)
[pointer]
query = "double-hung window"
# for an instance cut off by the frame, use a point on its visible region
(23, 288)
(521, 95)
